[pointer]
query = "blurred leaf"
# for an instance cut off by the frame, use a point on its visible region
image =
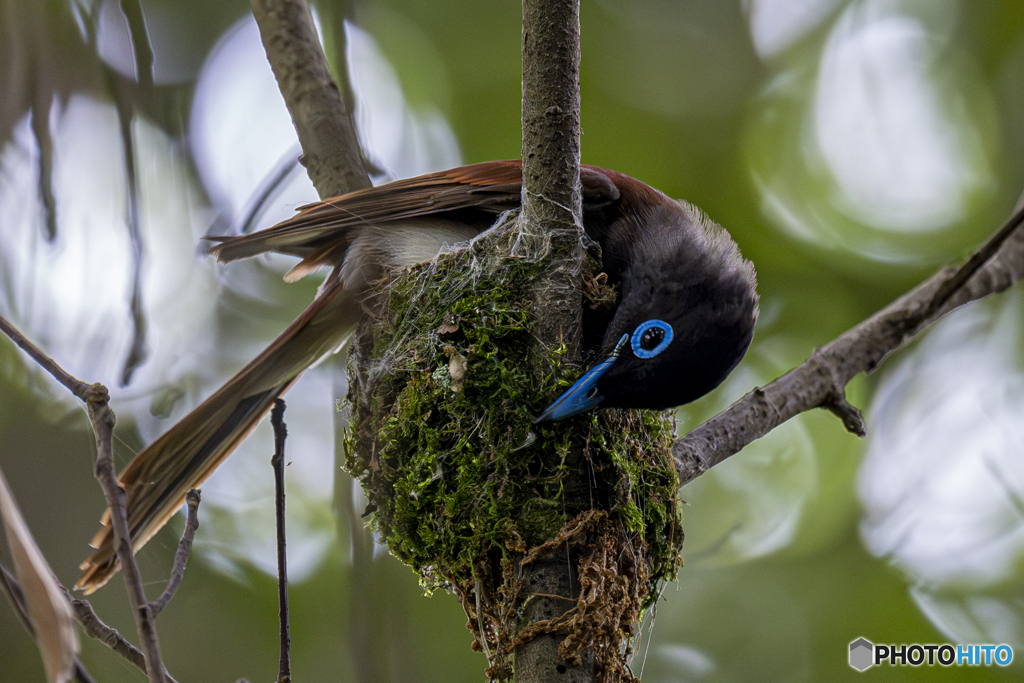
(47, 606)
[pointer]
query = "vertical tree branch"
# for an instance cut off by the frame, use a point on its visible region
(336, 13)
(552, 200)
(125, 116)
(125, 102)
(324, 120)
(39, 116)
(284, 672)
(102, 418)
(330, 146)
(551, 220)
(142, 49)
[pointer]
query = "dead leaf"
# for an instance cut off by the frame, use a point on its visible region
(47, 606)
(449, 325)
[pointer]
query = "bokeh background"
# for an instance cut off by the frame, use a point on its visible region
(850, 146)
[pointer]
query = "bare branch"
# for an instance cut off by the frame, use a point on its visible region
(10, 587)
(551, 228)
(142, 49)
(284, 674)
(330, 146)
(821, 380)
(75, 386)
(125, 115)
(42, 102)
(142, 52)
(181, 556)
(102, 417)
(95, 628)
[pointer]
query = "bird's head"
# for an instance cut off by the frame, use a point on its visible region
(685, 319)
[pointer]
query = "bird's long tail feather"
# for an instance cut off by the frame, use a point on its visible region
(158, 478)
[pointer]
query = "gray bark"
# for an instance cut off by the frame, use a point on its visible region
(551, 220)
(330, 146)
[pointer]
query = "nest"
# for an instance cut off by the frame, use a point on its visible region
(467, 491)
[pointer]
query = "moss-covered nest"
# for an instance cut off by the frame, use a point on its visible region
(463, 487)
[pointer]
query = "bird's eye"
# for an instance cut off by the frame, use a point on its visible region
(651, 338)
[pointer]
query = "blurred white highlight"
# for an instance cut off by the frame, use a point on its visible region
(71, 297)
(777, 24)
(402, 142)
(942, 483)
(241, 131)
(687, 661)
(758, 500)
(900, 152)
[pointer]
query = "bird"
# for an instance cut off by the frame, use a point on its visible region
(686, 311)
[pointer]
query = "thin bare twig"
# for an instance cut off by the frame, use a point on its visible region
(821, 380)
(10, 587)
(102, 418)
(75, 386)
(42, 103)
(142, 49)
(82, 675)
(181, 556)
(95, 628)
(125, 115)
(284, 674)
(125, 104)
(270, 186)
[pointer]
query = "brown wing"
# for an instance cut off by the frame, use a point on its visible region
(321, 232)
(326, 226)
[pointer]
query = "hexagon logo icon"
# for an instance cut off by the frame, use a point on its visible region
(862, 654)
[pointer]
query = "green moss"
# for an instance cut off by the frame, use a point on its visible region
(443, 394)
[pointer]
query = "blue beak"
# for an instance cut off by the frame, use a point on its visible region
(583, 395)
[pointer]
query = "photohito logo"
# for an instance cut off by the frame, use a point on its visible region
(864, 654)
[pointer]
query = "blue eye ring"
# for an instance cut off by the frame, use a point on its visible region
(638, 336)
